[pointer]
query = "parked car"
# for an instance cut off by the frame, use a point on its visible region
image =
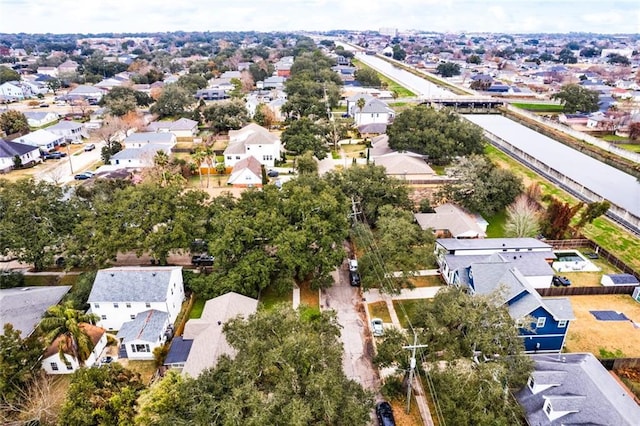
(560, 281)
(353, 265)
(84, 176)
(384, 412)
(89, 147)
(53, 155)
(202, 260)
(273, 173)
(377, 327)
(44, 105)
(106, 360)
(354, 278)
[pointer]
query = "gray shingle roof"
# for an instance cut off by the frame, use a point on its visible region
(11, 149)
(24, 306)
(492, 244)
(132, 284)
(148, 325)
(584, 386)
(209, 342)
(150, 137)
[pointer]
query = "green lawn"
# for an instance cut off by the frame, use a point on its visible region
(633, 147)
(496, 224)
(379, 310)
(45, 280)
(197, 308)
(407, 309)
(539, 107)
(391, 85)
(614, 138)
(269, 298)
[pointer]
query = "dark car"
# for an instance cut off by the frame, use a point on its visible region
(54, 155)
(84, 176)
(561, 281)
(354, 278)
(106, 360)
(202, 260)
(384, 412)
(273, 173)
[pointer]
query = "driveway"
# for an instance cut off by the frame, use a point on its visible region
(358, 348)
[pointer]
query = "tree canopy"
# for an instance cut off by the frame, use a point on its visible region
(577, 98)
(480, 186)
(226, 115)
(13, 122)
(288, 369)
(174, 101)
(448, 69)
(304, 135)
(440, 134)
(19, 363)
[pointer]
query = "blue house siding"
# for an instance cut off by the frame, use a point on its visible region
(549, 338)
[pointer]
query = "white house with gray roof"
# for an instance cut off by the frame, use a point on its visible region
(252, 140)
(531, 256)
(43, 139)
(146, 331)
(575, 389)
(119, 294)
(70, 130)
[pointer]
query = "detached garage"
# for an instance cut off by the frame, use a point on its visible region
(609, 280)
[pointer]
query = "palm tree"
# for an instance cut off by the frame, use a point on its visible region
(210, 159)
(63, 320)
(198, 158)
(360, 103)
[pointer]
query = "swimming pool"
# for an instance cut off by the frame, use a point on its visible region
(572, 261)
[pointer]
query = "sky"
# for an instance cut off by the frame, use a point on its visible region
(503, 16)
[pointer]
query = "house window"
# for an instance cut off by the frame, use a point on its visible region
(267, 157)
(140, 348)
(104, 317)
(128, 305)
(96, 305)
(148, 304)
(531, 383)
(229, 157)
(237, 157)
(115, 305)
(54, 366)
(132, 317)
(69, 367)
(541, 322)
(519, 323)
(562, 323)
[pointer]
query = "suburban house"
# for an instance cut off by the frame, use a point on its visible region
(13, 90)
(405, 166)
(283, 66)
(141, 148)
(183, 129)
(9, 151)
(119, 294)
(23, 307)
(374, 111)
(273, 82)
(53, 364)
(146, 331)
(532, 257)
(40, 118)
(246, 173)
(203, 341)
(86, 92)
(70, 130)
(252, 140)
(452, 221)
(575, 389)
(542, 323)
(43, 139)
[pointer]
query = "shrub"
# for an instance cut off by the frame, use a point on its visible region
(11, 279)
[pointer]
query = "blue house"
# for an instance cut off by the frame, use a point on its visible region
(543, 323)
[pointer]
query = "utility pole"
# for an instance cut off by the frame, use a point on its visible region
(412, 366)
(354, 208)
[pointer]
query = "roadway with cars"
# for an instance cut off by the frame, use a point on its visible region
(63, 170)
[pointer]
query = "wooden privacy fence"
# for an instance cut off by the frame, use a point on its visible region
(585, 291)
(620, 363)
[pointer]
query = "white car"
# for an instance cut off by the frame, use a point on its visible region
(377, 327)
(353, 265)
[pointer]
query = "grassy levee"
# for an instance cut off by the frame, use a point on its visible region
(391, 85)
(602, 231)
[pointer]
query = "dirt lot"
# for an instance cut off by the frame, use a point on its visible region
(586, 334)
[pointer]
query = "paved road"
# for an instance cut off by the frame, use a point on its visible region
(62, 171)
(358, 349)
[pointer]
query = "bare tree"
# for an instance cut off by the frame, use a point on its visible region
(523, 218)
(40, 404)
